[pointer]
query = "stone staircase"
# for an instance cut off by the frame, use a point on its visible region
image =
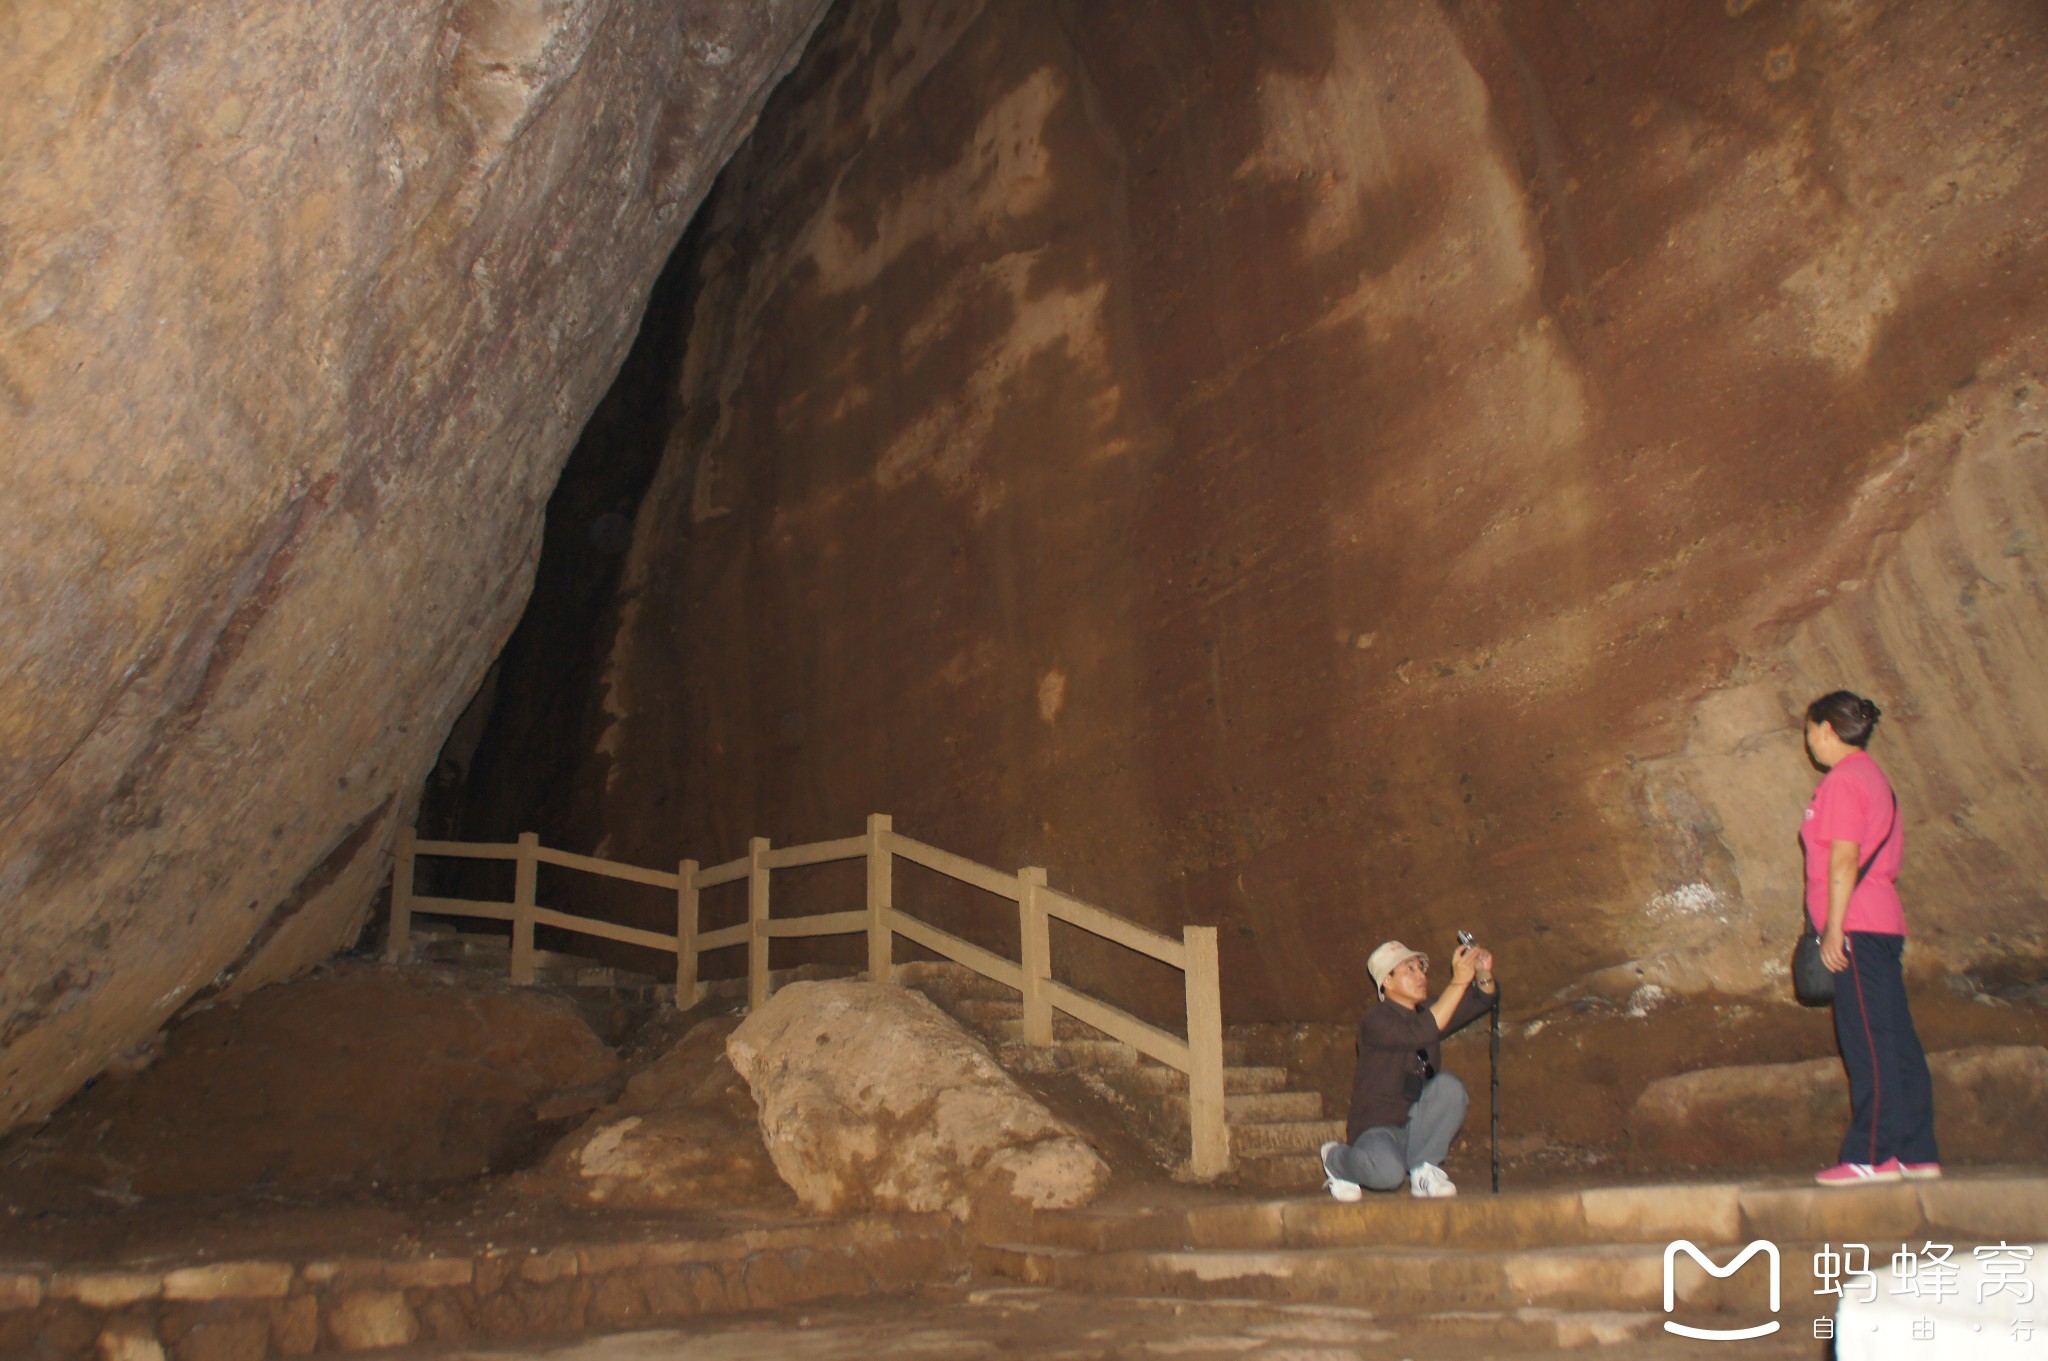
(485, 952)
(1275, 1129)
(1531, 1270)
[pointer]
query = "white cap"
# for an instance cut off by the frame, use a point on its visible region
(1390, 956)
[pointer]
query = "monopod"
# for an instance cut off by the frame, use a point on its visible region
(1493, 1089)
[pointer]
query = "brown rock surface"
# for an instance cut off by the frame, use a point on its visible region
(1338, 471)
(873, 1098)
(369, 1075)
(684, 1135)
(302, 309)
(1990, 1105)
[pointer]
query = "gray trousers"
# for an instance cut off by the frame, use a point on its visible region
(1380, 1158)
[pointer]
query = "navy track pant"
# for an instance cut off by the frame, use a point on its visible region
(1891, 1096)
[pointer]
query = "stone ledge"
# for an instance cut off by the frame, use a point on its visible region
(19, 1290)
(1989, 1205)
(423, 1271)
(106, 1289)
(229, 1281)
(278, 1308)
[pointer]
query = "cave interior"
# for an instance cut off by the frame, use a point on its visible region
(1321, 472)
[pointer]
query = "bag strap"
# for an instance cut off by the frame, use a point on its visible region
(1865, 867)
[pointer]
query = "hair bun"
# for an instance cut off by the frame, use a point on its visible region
(1871, 713)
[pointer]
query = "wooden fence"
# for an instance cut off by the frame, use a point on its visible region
(1200, 1055)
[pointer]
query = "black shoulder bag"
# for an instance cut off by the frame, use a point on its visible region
(1812, 981)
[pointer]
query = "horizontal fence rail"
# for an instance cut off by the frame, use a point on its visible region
(1199, 1055)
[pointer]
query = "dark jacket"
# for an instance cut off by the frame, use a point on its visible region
(1388, 1037)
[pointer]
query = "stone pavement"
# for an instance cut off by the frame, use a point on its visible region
(1048, 1325)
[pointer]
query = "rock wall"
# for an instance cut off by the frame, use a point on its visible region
(1339, 471)
(302, 308)
(1342, 471)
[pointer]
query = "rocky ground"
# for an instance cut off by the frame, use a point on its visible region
(379, 1157)
(360, 1108)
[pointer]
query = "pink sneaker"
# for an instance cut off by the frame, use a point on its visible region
(1860, 1174)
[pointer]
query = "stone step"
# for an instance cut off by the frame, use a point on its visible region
(1010, 1030)
(946, 982)
(638, 993)
(1097, 1053)
(456, 948)
(1299, 1173)
(638, 1279)
(493, 954)
(1505, 1334)
(1541, 1328)
(987, 1011)
(1080, 1232)
(1988, 1207)
(1623, 1277)
(1525, 1273)
(1282, 1136)
(1170, 1085)
(1236, 1078)
(1253, 1108)
(1498, 1334)
(1530, 1327)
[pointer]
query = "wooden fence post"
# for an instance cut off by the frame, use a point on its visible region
(1209, 1151)
(1035, 933)
(525, 877)
(757, 922)
(398, 936)
(881, 900)
(686, 935)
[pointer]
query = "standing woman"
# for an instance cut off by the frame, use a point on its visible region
(1854, 845)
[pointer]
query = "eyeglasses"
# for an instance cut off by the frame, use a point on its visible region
(1428, 1068)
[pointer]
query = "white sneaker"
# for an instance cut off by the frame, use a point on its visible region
(1346, 1191)
(1429, 1182)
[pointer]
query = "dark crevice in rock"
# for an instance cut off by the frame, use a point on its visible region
(515, 754)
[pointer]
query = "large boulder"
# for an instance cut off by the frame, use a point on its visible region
(362, 1076)
(684, 1135)
(1990, 1105)
(301, 309)
(873, 1098)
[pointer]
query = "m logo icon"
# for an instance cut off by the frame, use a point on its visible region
(1671, 1251)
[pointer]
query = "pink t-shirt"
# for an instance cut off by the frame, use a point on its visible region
(1854, 803)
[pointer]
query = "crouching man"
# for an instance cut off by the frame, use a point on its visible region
(1404, 1109)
